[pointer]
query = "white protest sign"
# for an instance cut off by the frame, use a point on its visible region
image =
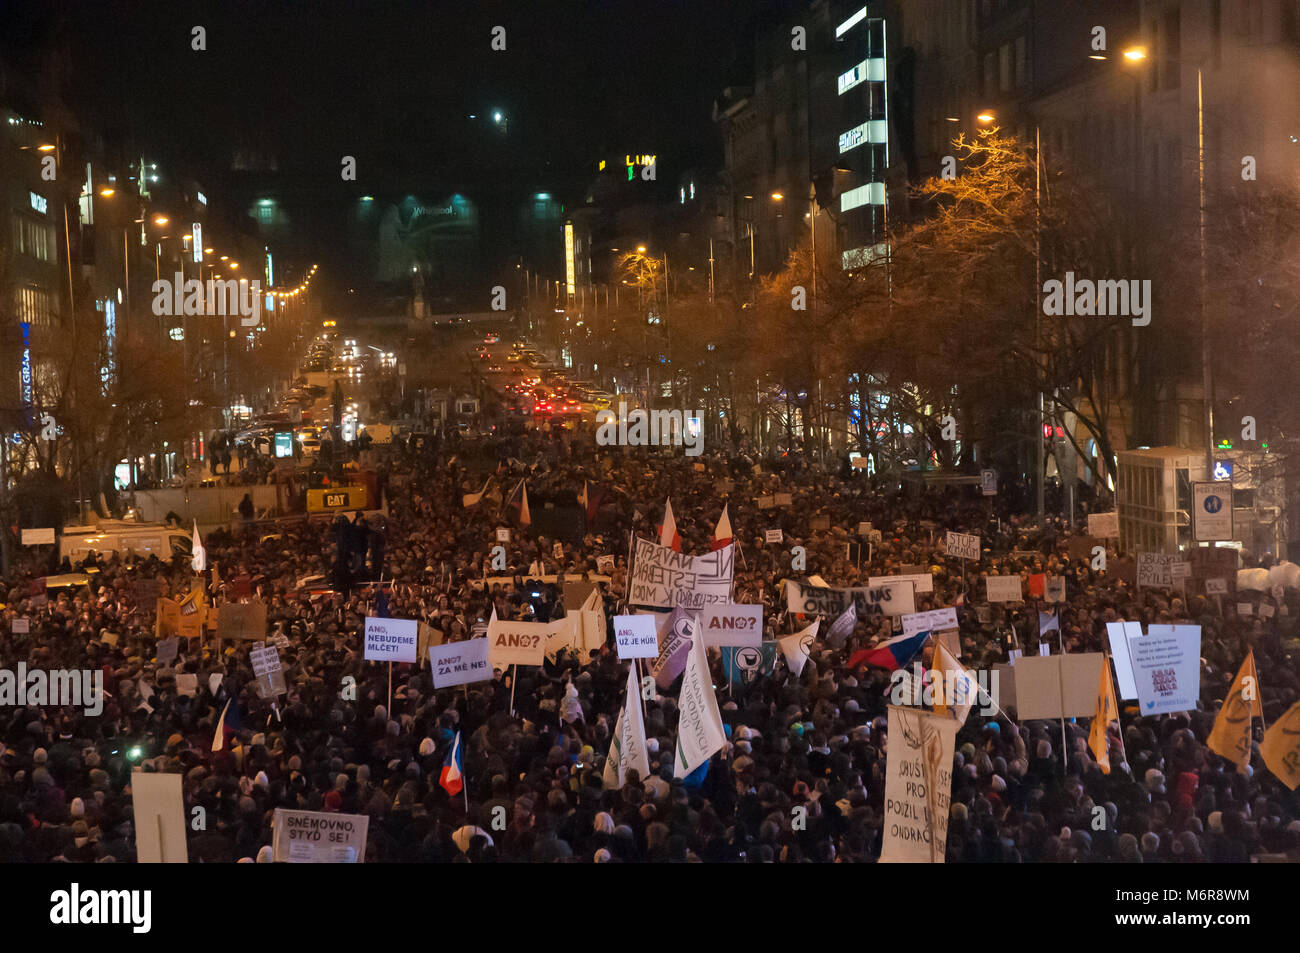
(1167, 668)
(962, 546)
(159, 810)
(733, 624)
(503, 535)
(316, 837)
(923, 581)
(1119, 634)
(1057, 686)
(517, 643)
(918, 786)
(1216, 587)
(1155, 570)
(773, 536)
(1245, 608)
(1212, 511)
(266, 668)
(23, 625)
(635, 636)
(391, 640)
(459, 663)
(604, 564)
(1103, 525)
(894, 599)
(1003, 588)
(38, 537)
(666, 579)
(936, 620)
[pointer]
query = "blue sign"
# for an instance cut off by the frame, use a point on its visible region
(1222, 469)
(29, 395)
(1213, 504)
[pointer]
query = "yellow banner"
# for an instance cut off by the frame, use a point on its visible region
(336, 498)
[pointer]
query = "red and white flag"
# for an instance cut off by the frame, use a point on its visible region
(722, 532)
(668, 535)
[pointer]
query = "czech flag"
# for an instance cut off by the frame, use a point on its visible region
(668, 535)
(892, 654)
(450, 779)
(722, 532)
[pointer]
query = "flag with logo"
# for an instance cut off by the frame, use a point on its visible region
(699, 725)
(1107, 711)
(199, 559)
(1230, 737)
(797, 648)
(842, 627)
(627, 748)
(742, 664)
(1281, 747)
(965, 688)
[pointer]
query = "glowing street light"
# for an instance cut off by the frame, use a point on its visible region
(986, 117)
(1135, 53)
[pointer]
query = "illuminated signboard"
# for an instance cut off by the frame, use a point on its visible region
(853, 138)
(196, 230)
(283, 443)
(568, 257)
(38, 202)
(26, 372)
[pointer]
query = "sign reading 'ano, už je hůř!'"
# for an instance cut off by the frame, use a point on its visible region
(635, 636)
(391, 640)
(460, 663)
(918, 786)
(666, 579)
(316, 837)
(732, 624)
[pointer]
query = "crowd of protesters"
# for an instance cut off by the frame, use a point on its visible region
(337, 741)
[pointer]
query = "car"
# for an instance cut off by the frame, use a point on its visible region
(492, 338)
(310, 446)
(541, 407)
(494, 368)
(514, 357)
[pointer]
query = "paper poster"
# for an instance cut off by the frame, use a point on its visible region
(391, 640)
(665, 579)
(242, 620)
(1055, 589)
(316, 837)
(894, 599)
(732, 624)
(635, 636)
(773, 536)
(1155, 570)
(1119, 634)
(1167, 668)
(1104, 525)
(518, 643)
(923, 581)
(936, 620)
(1057, 686)
(1003, 588)
(962, 546)
(460, 663)
(918, 786)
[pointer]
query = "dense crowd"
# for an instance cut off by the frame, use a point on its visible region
(533, 778)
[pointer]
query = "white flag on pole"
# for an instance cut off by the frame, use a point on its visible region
(796, 647)
(627, 749)
(699, 726)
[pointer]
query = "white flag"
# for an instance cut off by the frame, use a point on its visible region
(593, 622)
(796, 647)
(842, 627)
(219, 737)
(627, 749)
(200, 557)
(699, 725)
(472, 499)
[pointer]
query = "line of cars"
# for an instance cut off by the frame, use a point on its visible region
(534, 387)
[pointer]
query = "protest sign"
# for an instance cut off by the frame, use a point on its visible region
(819, 524)
(316, 837)
(675, 638)
(429, 636)
(665, 579)
(1119, 634)
(38, 537)
(459, 663)
(922, 581)
(864, 528)
(1057, 686)
(604, 564)
(1055, 589)
(1003, 588)
(731, 624)
(266, 669)
(1104, 525)
(159, 810)
(503, 535)
(22, 625)
(391, 640)
(918, 785)
(1216, 587)
(1167, 668)
(783, 499)
(1155, 570)
(894, 599)
(635, 636)
(936, 620)
(773, 536)
(518, 643)
(962, 546)
(766, 502)
(242, 621)
(167, 650)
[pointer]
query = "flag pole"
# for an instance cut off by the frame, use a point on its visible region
(513, 671)
(639, 695)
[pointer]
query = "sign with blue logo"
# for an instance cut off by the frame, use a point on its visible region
(1212, 512)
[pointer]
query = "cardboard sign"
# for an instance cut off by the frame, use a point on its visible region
(1167, 668)
(936, 620)
(922, 581)
(604, 564)
(766, 502)
(242, 621)
(1003, 588)
(635, 636)
(1104, 525)
(784, 499)
(1057, 686)
(429, 636)
(1055, 589)
(316, 837)
(665, 579)
(773, 536)
(159, 808)
(39, 537)
(1155, 570)
(918, 786)
(267, 671)
(962, 546)
(517, 643)
(733, 624)
(460, 663)
(20, 626)
(894, 599)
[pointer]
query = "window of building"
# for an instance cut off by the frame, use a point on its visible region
(990, 73)
(32, 238)
(265, 213)
(34, 306)
(1022, 61)
(1004, 68)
